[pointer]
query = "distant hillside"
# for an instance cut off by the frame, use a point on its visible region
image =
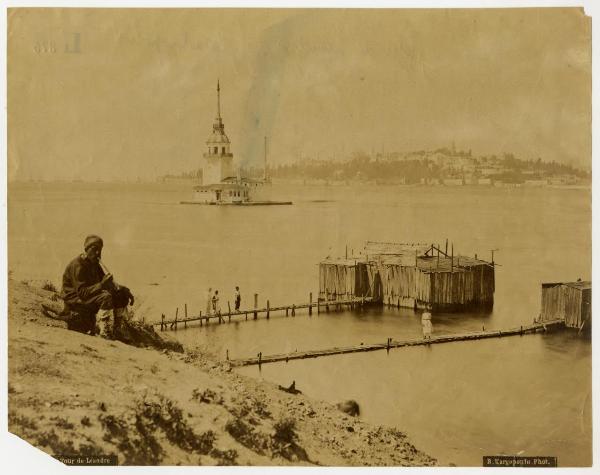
(423, 166)
(433, 166)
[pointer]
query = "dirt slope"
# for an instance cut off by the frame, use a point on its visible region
(72, 394)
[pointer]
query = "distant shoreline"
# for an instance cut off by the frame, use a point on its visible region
(316, 182)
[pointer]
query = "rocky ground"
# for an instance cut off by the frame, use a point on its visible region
(75, 394)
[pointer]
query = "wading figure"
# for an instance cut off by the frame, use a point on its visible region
(238, 299)
(426, 324)
(87, 290)
(215, 303)
(209, 302)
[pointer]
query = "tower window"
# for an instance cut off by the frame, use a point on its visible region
(216, 150)
(223, 150)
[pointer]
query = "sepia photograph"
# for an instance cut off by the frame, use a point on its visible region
(316, 237)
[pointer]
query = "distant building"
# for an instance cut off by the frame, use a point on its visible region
(538, 182)
(563, 180)
(453, 181)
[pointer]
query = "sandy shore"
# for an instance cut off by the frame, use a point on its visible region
(72, 394)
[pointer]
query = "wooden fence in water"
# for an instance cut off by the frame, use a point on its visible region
(290, 309)
(522, 330)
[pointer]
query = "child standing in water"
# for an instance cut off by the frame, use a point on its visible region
(427, 326)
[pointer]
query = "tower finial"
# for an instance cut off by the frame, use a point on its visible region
(218, 99)
(265, 159)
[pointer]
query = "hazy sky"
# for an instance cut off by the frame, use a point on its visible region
(136, 96)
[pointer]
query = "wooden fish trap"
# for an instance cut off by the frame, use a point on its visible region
(410, 275)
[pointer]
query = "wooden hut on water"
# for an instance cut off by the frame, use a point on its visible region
(409, 275)
(571, 301)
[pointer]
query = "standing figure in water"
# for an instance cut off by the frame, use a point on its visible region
(427, 326)
(209, 302)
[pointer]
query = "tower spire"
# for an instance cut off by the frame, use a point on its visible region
(265, 159)
(218, 124)
(218, 100)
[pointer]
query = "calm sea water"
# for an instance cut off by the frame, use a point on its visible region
(529, 395)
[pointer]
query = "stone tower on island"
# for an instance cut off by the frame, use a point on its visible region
(220, 183)
(218, 159)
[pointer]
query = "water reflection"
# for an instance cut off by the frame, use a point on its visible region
(569, 342)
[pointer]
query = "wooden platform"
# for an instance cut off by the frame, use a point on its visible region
(241, 203)
(523, 330)
(172, 324)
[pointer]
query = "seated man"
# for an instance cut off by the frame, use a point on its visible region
(87, 289)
